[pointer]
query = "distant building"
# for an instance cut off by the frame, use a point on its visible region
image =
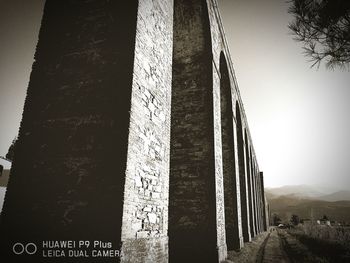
(323, 222)
(5, 167)
(336, 223)
(306, 221)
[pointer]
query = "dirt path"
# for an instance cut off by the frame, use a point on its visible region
(271, 250)
(264, 248)
(249, 253)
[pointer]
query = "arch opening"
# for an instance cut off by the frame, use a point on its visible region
(254, 198)
(242, 177)
(228, 158)
(249, 184)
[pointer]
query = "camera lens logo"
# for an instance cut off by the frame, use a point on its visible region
(20, 248)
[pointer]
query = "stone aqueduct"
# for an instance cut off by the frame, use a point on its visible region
(134, 132)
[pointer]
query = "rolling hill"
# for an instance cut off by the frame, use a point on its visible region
(301, 191)
(337, 196)
(308, 202)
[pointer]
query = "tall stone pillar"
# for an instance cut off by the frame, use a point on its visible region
(265, 223)
(233, 226)
(258, 203)
(255, 199)
(145, 209)
(93, 150)
(238, 193)
(243, 177)
(195, 193)
(249, 185)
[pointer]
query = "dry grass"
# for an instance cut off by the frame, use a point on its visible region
(296, 250)
(330, 243)
(332, 234)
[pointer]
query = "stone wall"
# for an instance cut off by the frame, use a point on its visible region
(192, 206)
(228, 160)
(248, 191)
(134, 132)
(145, 210)
(68, 173)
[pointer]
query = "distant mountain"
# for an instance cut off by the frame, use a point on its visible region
(307, 192)
(308, 202)
(297, 191)
(337, 196)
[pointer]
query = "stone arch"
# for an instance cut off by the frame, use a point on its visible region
(192, 194)
(261, 205)
(254, 196)
(228, 158)
(257, 199)
(242, 176)
(249, 183)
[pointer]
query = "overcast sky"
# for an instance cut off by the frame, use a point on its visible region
(19, 28)
(298, 116)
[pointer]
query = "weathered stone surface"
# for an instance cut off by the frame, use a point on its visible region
(147, 171)
(249, 185)
(134, 133)
(243, 176)
(192, 199)
(228, 159)
(68, 173)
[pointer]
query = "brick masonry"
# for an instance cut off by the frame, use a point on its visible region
(134, 132)
(145, 210)
(192, 200)
(232, 216)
